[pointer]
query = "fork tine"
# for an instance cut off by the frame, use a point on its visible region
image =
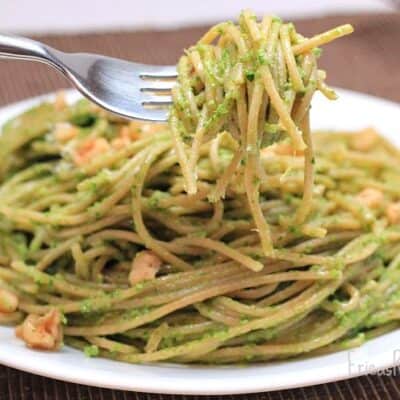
(159, 71)
(147, 85)
(156, 100)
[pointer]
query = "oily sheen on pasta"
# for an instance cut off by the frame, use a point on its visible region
(231, 234)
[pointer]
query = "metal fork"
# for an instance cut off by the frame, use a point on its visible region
(129, 89)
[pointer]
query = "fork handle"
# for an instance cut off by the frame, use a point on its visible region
(20, 48)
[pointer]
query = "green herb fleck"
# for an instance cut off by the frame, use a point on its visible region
(250, 75)
(262, 57)
(154, 199)
(86, 306)
(294, 229)
(317, 52)
(91, 350)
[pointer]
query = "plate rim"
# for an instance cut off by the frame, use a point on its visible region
(178, 386)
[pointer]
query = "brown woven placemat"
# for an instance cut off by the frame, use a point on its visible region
(368, 61)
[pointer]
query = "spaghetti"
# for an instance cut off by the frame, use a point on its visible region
(227, 236)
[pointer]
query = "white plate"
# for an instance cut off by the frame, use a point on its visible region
(351, 111)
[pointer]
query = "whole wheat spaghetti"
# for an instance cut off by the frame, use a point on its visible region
(231, 234)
